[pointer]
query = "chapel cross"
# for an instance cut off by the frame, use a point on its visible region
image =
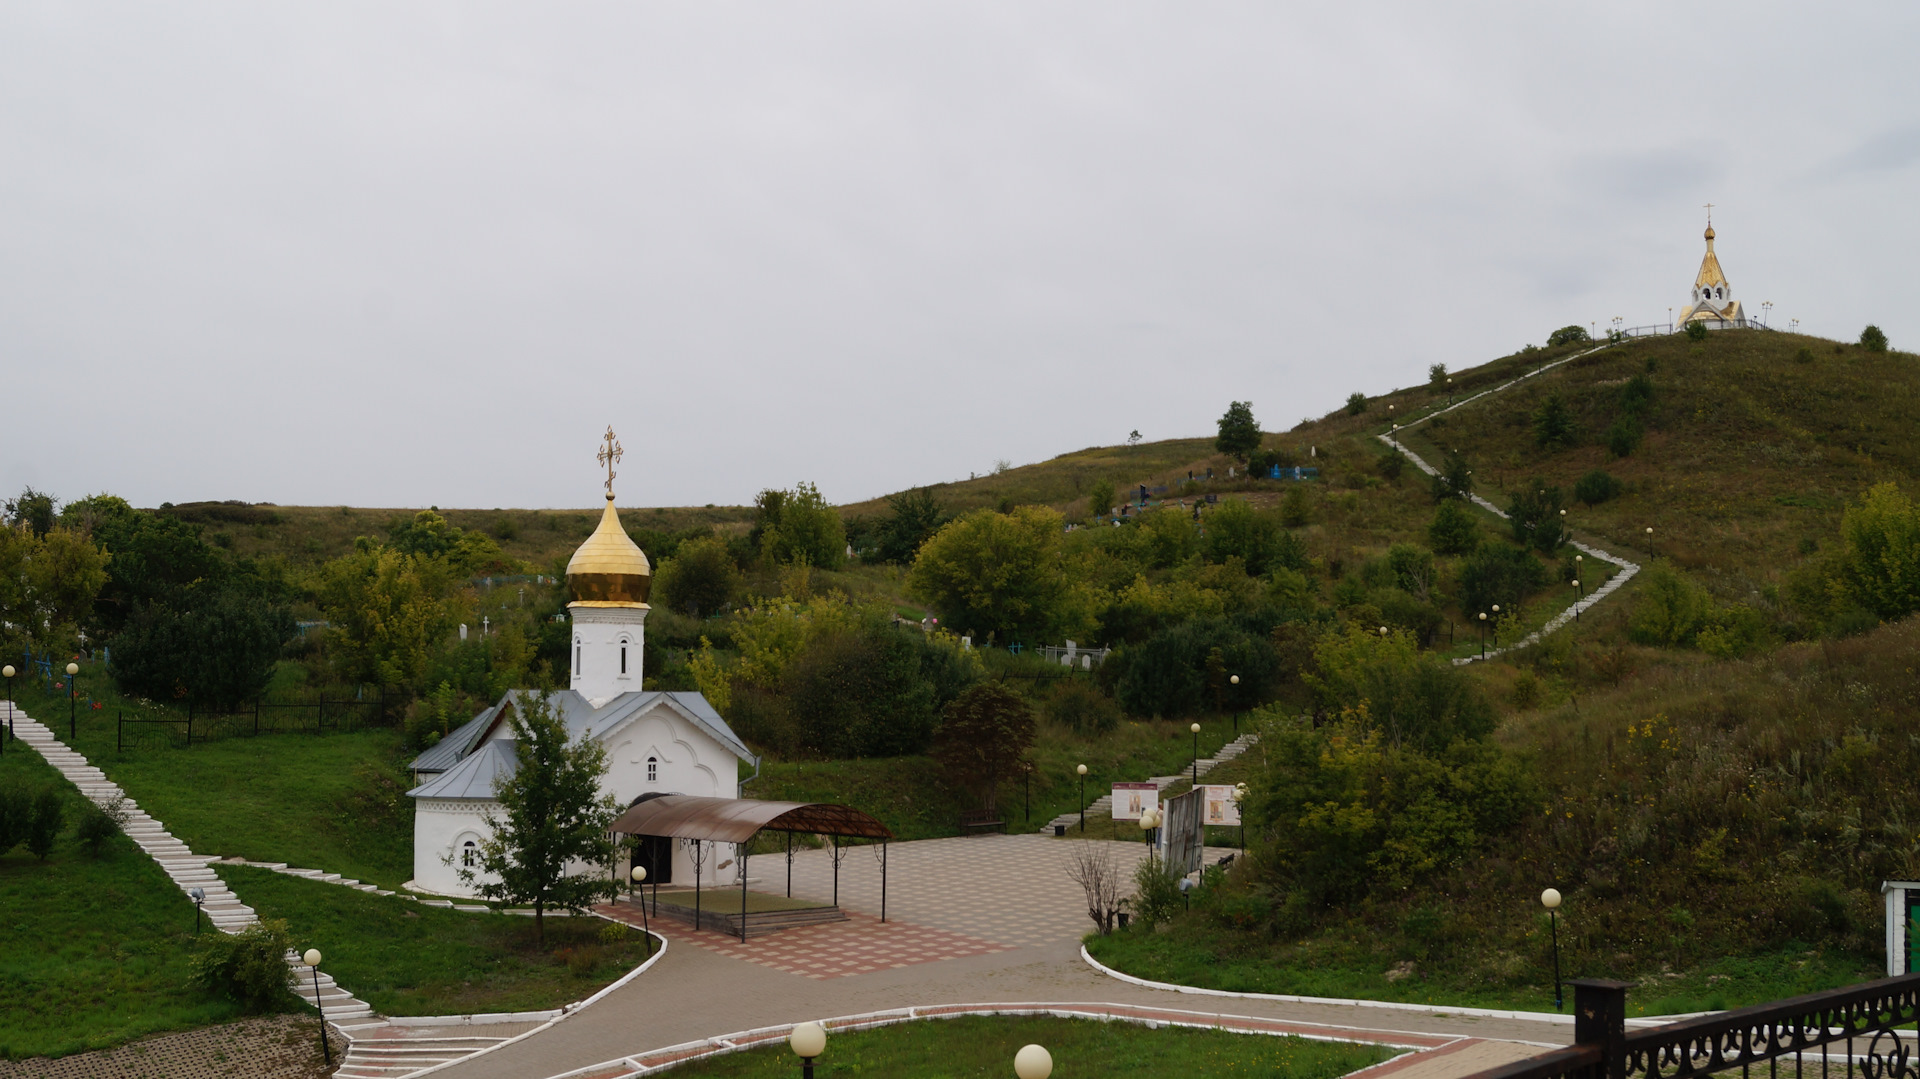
(1709, 213)
(609, 453)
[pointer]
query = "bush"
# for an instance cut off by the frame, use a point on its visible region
(1079, 706)
(1453, 530)
(1879, 566)
(1356, 403)
(699, 579)
(1873, 339)
(250, 967)
(1636, 397)
(1454, 479)
(1671, 610)
(1623, 437)
(1411, 697)
(1696, 331)
(1166, 675)
(1296, 511)
(45, 815)
(16, 816)
(1805, 355)
(1596, 487)
(1535, 518)
(1156, 893)
(218, 648)
(1390, 466)
(99, 824)
(858, 692)
(1568, 335)
(1437, 376)
(1498, 574)
(1100, 498)
(1237, 530)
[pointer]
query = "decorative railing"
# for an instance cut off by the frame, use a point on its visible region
(1831, 1033)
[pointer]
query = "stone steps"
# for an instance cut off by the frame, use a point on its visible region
(185, 868)
(1104, 803)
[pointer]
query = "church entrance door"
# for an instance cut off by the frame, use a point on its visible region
(654, 853)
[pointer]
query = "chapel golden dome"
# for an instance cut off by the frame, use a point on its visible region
(609, 570)
(1709, 232)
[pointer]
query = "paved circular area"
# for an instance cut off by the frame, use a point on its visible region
(859, 945)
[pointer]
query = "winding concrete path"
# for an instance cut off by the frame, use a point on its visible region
(1613, 584)
(1010, 891)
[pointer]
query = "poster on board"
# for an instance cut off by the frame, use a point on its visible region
(1130, 800)
(1221, 809)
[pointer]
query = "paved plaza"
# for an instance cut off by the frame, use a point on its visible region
(982, 920)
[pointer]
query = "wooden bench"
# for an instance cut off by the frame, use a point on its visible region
(980, 821)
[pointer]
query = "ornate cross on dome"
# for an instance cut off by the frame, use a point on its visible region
(1709, 213)
(610, 452)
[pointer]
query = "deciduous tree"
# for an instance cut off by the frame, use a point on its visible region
(1239, 431)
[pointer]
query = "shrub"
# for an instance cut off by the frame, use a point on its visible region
(1696, 331)
(1526, 690)
(1237, 530)
(1553, 423)
(1637, 395)
(1596, 487)
(1412, 568)
(1568, 335)
(1878, 568)
(1437, 376)
(1391, 466)
(99, 824)
(1166, 675)
(1535, 518)
(16, 814)
(1498, 574)
(1453, 480)
(1295, 509)
(984, 736)
(994, 572)
(1080, 707)
(1873, 339)
(1623, 437)
(1805, 355)
(1356, 403)
(858, 692)
(1411, 697)
(250, 966)
(1453, 530)
(1100, 498)
(1671, 610)
(46, 812)
(1156, 893)
(800, 526)
(699, 579)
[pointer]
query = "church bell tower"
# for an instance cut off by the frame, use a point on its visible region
(608, 580)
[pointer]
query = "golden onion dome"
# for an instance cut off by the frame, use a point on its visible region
(1709, 232)
(609, 570)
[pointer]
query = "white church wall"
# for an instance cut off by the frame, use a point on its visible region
(601, 637)
(441, 827)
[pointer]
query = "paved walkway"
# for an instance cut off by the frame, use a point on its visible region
(271, 1047)
(1009, 892)
(1627, 569)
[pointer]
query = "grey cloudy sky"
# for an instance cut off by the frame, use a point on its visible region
(393, 254)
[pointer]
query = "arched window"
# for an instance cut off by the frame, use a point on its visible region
(469, 854)
(1719, 293)
(623, 657)
(653, 769)
(576, 656)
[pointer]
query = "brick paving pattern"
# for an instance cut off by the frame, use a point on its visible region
(274, 1047)
(859, 945)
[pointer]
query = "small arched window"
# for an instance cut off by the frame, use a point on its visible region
(469, 854)
(623, 657)
(653, 769)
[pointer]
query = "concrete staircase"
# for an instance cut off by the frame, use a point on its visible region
(1104, 803)
(188, 870)
(380, 1050)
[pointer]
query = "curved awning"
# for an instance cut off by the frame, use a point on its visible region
(736, 820)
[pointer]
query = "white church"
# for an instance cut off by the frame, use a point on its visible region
(657, 742)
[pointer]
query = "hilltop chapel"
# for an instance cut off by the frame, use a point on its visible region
(657, 742)
(1713, 302)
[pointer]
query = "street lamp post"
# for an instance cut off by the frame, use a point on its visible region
(1449, 391)
(1149, 821)
(807, 1041)
(1563, 526)
(199, 896)
(1234, 680)
(1082, 770)
(1496, 625)
(1033, 1062)
(312, 960)
(1649, 543)
(1195, 728)
(1577, 597)
(1483, 634)
(8, 672)
(73, 698)
(639, 880)
(1550, 899)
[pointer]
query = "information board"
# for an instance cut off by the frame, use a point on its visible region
(1130, 800)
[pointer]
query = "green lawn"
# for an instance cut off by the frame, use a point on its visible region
(93, 951)
(406, 959)
(334, 802)
(985, 1046)
(1210, 958)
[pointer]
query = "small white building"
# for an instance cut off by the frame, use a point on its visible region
(657, 742)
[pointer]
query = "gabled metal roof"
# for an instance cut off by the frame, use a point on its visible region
(448, 751)
(736, 820)
(475, 776)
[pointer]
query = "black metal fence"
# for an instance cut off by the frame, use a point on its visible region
(318, 714)
(1835, 1033)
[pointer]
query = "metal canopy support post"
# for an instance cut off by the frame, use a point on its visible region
(836, 869)
(696, 886)
(743, 893)
(883, 882)
(789, 865)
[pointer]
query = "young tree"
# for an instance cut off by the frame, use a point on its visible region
(983, 739)
(551, 816)
(387, 613)
(1879, 569)
(915, 516)
(47, 586)
(799, 526)
(1239, 432)
(1553, 423)
(1356, 403)
(1454, 480)
(699, 579)
(1437, 376)
(1453, 530)
(1536, 520)
(1100, 498)
(1873, 339)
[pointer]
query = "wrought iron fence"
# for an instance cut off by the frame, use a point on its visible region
(312, 715)
(1833, 1033)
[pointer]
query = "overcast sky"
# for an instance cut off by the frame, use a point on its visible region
(400, 254)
